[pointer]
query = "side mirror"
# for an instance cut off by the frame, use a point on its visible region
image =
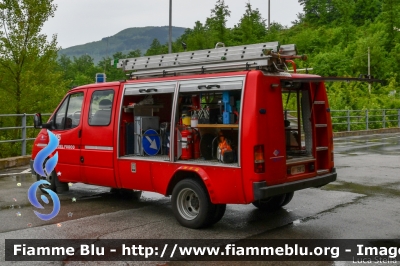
(37, 121)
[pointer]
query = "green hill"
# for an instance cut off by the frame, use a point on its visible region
(124, 41)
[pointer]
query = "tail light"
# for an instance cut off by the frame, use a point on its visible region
(259, 163)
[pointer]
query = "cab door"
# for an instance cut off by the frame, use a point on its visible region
(97, 137)
(68, 128)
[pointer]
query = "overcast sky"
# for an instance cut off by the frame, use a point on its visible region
(82, 21)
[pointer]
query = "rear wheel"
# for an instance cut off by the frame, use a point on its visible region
(288, 198)
(271, 203)
(191, 204)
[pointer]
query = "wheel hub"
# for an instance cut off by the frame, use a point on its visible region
(188, 204)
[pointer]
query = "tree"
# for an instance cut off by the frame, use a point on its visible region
(319, 12)
(65, 66)
(27, 60)
(196, 38)
(216, 23)
(366, 10)
(156, 48)
(113, 73)
(251, 27)
(390, 16)
(30, 80)
(78, 71)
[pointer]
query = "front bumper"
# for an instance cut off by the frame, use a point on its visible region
(262, 191)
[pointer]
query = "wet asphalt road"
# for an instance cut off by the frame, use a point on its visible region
(362, 203)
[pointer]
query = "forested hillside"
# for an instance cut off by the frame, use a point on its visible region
(124, 41)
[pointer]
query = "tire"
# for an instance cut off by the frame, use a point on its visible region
(55, 184)
(51, 179)
(219, 211)
(271, 203)
(288, 198)
(191, 204)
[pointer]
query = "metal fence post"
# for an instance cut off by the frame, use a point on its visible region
(398, 117)
(348, 120)
(23, 135)
(366, 119)
(384, 118)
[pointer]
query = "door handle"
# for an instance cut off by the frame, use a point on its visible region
(82, 160)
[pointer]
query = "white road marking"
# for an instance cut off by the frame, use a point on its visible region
(27, 171)
(10, 174)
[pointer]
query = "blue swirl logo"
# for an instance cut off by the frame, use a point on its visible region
(43, 154)
(45, 170)
(32, 198)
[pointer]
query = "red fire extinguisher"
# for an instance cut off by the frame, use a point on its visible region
(186, 144)
(196, 144)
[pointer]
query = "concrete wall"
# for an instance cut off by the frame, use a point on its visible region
(14, 161)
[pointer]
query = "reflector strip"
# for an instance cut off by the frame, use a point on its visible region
(102, 148)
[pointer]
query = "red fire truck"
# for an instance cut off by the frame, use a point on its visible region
(207, 127)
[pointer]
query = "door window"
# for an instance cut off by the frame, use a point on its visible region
(69, 114)
(100, 108)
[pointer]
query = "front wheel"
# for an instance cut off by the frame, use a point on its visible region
(191, 204)
(51, 179)
(55, 184)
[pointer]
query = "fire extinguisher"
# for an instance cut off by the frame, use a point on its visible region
(186, 144)
(196, 144)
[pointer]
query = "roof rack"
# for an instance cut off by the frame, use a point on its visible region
(270, 56)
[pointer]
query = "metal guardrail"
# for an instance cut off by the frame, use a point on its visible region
(353, 120)
(342, 120)
(23, 129)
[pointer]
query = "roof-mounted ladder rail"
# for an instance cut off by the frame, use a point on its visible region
(269, 56)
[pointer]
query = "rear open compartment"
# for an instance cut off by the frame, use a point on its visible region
(209, 115)
(297, 117)
(200, 125)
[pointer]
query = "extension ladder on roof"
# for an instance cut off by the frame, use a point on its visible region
(243, 57)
